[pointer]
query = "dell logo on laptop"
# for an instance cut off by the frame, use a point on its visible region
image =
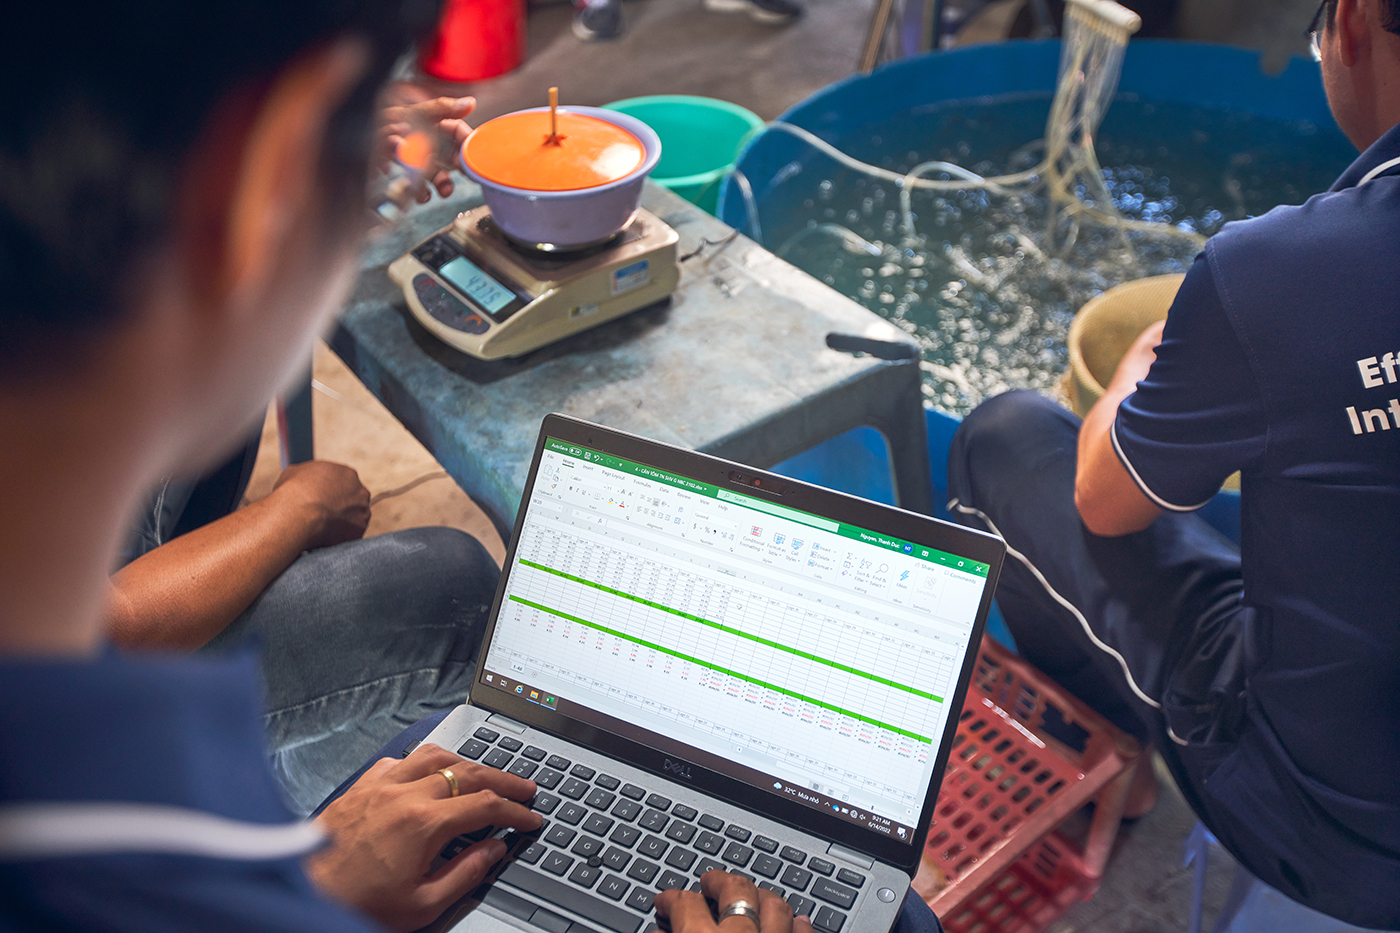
(680, 769)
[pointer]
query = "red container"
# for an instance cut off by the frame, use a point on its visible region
(476, 40)
(1026, 757)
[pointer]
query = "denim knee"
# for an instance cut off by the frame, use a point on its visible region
(450, 567)
(1006, 436)
(1011, 418)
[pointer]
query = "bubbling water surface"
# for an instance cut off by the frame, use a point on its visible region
(982, 284)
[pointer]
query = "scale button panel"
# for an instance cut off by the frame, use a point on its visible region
(444, 307)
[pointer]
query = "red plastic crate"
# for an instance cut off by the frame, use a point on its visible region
(1026, 757)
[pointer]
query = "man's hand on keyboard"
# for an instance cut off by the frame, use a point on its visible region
(689, 912)
(388, 827)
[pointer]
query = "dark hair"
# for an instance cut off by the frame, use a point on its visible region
(99, 105)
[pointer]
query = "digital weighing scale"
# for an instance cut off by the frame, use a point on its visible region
(489, 296)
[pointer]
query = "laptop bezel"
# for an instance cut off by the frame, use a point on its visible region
(920, 529)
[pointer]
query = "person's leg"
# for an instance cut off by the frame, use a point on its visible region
(916, 917)
(1164, 603)
(359, 641)
(407, 740)
(218, 492)
(598, 19)
(1169, 599)
(181, 505)
(772, 12)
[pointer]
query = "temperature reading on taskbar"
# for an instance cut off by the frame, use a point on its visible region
(805, 657)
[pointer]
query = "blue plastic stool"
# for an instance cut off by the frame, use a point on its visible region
(1197, 850)
(1251, 906)
(858, 463)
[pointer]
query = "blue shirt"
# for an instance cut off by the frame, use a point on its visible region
(1278, 360)
(135, 795)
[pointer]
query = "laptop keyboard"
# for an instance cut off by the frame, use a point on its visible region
(607, 847)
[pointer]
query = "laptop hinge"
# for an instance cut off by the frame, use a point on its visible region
(506, 723)
(850, 855)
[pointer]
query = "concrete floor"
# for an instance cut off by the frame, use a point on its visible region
(674, 46)
(1146, 889)
(353, 428)
(677, 47)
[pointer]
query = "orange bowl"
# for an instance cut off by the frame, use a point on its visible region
(596, 191)
(517, 151)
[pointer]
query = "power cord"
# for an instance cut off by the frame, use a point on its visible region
(704, 243)
(412, 484)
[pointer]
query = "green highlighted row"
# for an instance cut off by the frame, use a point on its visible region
(734, 631)
(721, 670)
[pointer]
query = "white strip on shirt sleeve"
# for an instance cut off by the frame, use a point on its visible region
(1376, 172)
(1156, 499)
(31, 831)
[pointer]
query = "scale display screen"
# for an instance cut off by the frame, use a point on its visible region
(468, 279)
(476, 284)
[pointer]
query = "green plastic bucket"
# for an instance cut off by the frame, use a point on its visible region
(700, 139)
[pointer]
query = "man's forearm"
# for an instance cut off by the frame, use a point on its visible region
(183, 593)
(1109, 501)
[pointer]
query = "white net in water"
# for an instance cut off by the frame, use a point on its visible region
(988, 287)
(1096, 34)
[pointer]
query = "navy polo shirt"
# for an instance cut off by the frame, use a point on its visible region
(1279, 359)
(135, 795)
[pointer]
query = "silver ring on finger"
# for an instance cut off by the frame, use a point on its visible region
(745, 909)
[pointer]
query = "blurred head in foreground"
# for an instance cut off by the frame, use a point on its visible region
(205, 154)
(182, 196)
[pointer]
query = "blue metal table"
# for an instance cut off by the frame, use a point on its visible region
(751, 359)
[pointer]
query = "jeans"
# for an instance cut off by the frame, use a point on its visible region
(360, 640)
(356, 641)
(1167, 599)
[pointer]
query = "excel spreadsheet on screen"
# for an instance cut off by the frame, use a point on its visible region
(794, 652)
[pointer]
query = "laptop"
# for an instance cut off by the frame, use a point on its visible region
(703, 665)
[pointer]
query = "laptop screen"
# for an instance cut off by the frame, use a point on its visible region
(801, 655)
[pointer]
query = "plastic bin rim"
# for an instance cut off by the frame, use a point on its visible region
(714, 103)
(756, 125)
(800, 113)
(1175, 45)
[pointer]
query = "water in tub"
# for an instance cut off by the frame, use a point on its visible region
(982, 284)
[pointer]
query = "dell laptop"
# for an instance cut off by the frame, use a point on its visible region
(703, 665)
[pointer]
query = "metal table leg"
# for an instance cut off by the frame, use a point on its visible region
(295, 424)
(906, 431)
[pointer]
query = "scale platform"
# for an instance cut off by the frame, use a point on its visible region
(483, 293)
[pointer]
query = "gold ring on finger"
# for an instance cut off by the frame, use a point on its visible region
(453, 788)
